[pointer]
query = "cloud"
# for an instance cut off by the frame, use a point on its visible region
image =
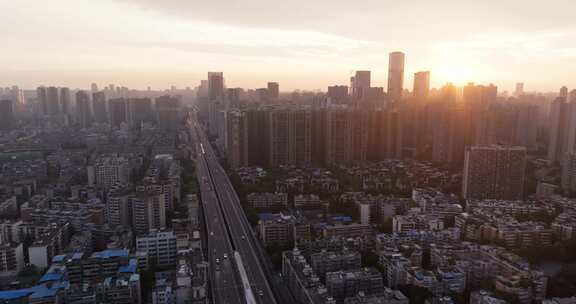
(519, 46)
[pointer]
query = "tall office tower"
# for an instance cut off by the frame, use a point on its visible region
(449, 135)
(564, 93)
(167, 109)
(139, 112)
(52, 101)
(215, 85)
(236, 135)
(99, 107)
(290, 137)
(361, 82)
(519, 89)
(6, 114)
(338, 94)
(396, 75)
(65, 101)
(559, 129)
(83, 112)
(421, 85)
(494, 172)
(273, 90)
(94, 87)
(42, 95)
(118, 111)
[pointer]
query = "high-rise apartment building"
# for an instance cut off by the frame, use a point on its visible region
(148, 212)
(519, 89)
(83, 112)
(139, 111)
(290, 137)
(273, 90)
(6, 114)
(561, 127)
(167, 109)
(65, 104)
(360, 83)
(395, 75)
(118, 111)
(338, 94)
(99, 107)
(52, 101)
(42, 95)
(237, 145)
(215, 85)
(421, 85)
(494, 172)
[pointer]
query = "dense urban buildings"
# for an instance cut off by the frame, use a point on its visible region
(354, 194)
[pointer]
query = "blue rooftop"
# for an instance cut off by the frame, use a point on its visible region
(266, 216)
(110, 253)
(132, 267)
(58, 258)
(53, 276)
(14, 294)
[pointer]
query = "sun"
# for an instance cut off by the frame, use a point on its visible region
(455, 74)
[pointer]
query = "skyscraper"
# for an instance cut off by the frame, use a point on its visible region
(52, 101)
(562, 125)
(361, 82)
(167, 108)
(237, 145)
(139, 111)
(99, 107)
(421, 85)
(42, 96)
(215, 85)
(83, 113)
(94, 87)
(6, 114)
(395, 75)
(65, 101)
(273, 90)
(494, 172)
(338, 94)
(519, 89)
(118, 109)
(564, 93)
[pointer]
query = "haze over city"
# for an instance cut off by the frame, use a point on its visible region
(302, 44)
(294, 152)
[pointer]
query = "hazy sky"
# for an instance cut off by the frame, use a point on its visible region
(306, 44)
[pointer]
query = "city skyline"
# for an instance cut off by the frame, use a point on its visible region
(145, 43)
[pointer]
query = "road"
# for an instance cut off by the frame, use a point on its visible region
(225, 284)
(240, 232)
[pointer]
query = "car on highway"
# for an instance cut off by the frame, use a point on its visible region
(217, 261)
